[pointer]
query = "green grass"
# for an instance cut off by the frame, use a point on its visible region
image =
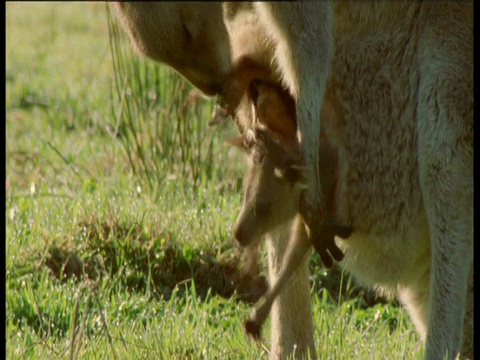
(119, 204)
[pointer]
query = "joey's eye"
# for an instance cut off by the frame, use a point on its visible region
(293, 176)
(248, 144)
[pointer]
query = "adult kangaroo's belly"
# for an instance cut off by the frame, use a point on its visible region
(378, 192)
(373, 91)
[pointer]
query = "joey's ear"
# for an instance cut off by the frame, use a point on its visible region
(250, 138)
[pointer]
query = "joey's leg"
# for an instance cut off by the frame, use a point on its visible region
(298, 247)
(291, 316)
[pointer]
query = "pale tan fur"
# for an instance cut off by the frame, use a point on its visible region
(401, 115)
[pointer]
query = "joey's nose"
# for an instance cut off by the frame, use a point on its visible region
(239, 235)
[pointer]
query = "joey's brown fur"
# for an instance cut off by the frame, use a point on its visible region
(276, 176)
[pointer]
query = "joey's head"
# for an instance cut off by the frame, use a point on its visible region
(272, 186)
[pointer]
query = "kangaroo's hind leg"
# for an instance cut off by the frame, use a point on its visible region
(445, 157)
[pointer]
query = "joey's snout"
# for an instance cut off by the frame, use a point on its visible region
(242, 230)
(240, 236)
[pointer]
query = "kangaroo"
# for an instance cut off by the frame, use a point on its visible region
(271, 175)
(399, 244)
(276, 172)
(400, 103)
(400, 89)
(204, 43)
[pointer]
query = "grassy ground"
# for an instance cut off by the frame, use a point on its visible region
(119, 203)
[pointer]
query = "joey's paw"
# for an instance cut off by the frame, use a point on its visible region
(322, 235)
(343, 231)
(323, 239)
(324, 243)
(253, 329)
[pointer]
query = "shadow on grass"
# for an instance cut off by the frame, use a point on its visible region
(151, 262)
